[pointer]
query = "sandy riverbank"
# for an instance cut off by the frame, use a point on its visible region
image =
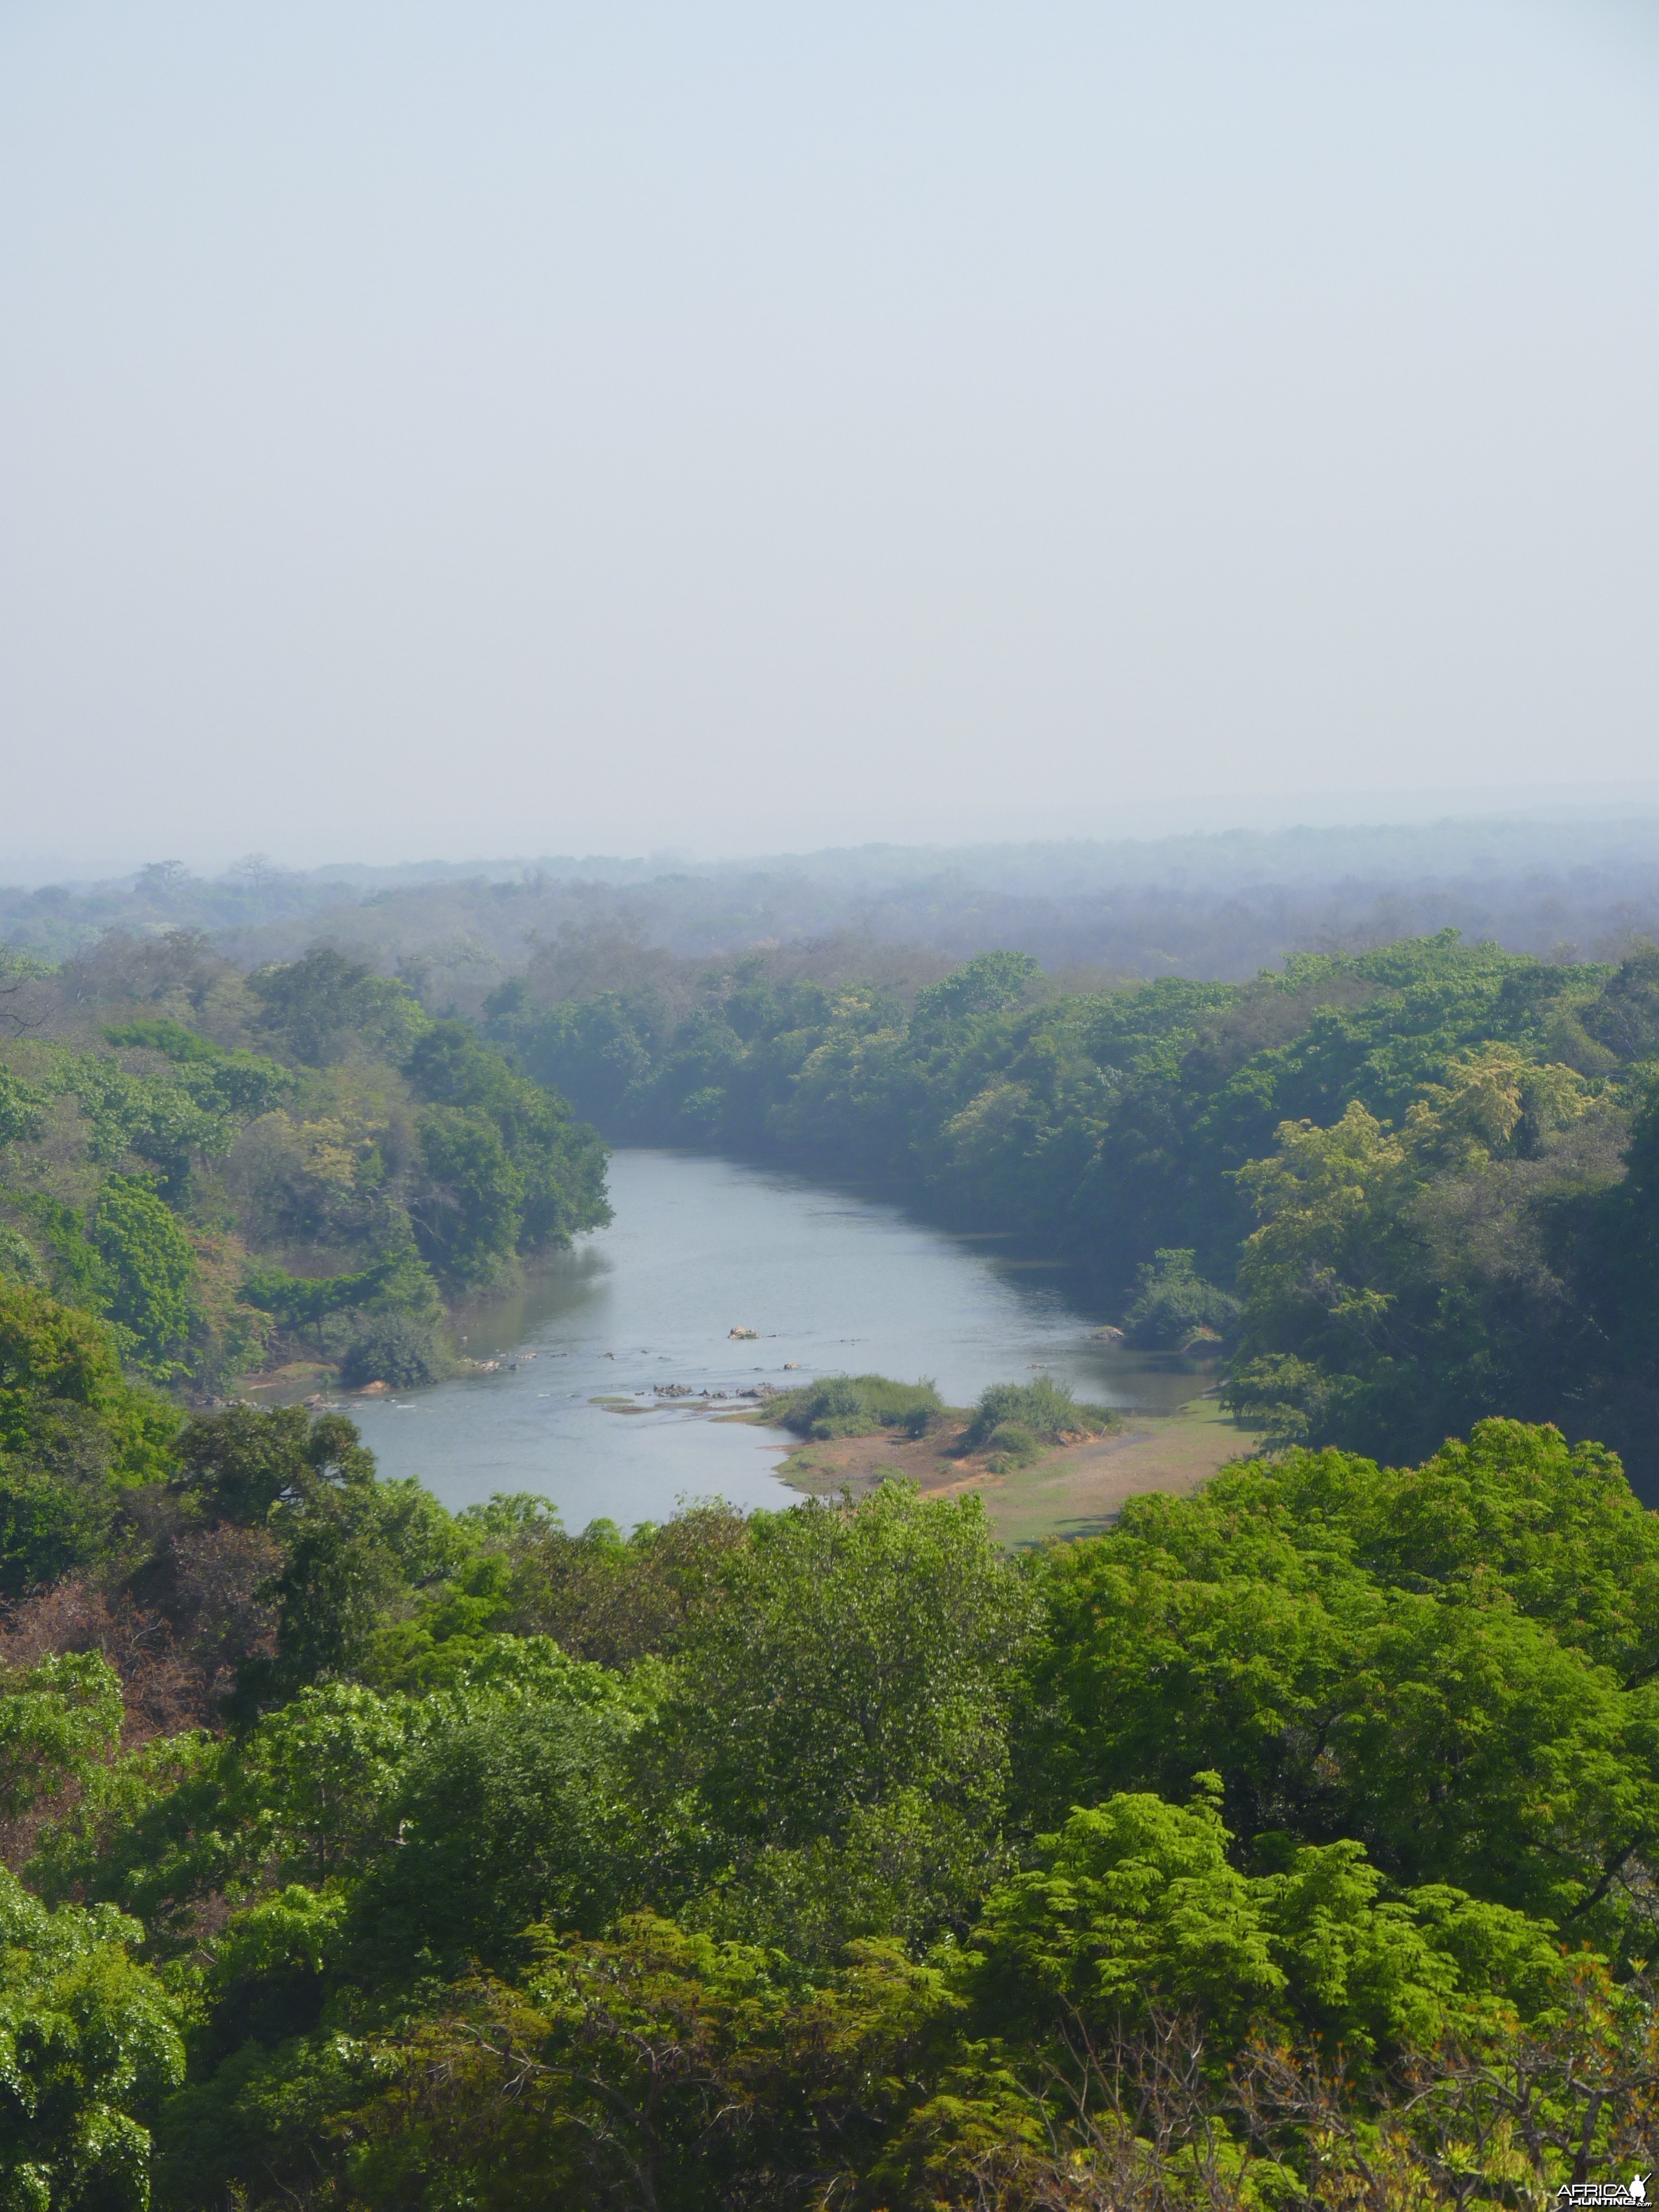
(1075, 1491)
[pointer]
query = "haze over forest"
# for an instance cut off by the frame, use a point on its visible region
(1582, 886)
(1039, 624)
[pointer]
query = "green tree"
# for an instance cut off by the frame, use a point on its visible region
(56, 1719)
(22, 1110)
(305, 1794)
(168, 1122)
(352, 1545)
(1405, 1281)
(600, 1595)
(150, 1272)
(467, 1218)
(669, 2071)
(986, 985)
(517, 1808)
(352, 1552)
(248, 1463)
(51, 1527)
(1348, 1681)
(854, 1673)
(51, 1357)
(1136, 1904)
(90, 2042)
(317, 1008)
(654, 2066)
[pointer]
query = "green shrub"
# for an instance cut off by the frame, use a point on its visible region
(1045, 1408)
(49, 1528)
(1010, 1445)
(859, 1405)
(836, 1408)
(401, 1349)
(1174, 1303)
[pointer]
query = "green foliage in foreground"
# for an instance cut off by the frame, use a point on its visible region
(89, 2042)
(1290, 1834)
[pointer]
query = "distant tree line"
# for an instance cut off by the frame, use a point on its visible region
(1199, 904)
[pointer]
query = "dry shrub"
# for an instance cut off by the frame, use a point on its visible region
(176, 1653)
(1151, 2124)
(78, 1615)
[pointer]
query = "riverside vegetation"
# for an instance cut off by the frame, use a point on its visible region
(1406, 1189)
(1012, 1424)
(234, 1171)
(1290, 1846)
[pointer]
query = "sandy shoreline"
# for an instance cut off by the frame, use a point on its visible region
(1075, 1491)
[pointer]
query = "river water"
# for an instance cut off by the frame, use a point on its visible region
(833, 1281)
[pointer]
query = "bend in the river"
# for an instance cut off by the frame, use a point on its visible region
(832, 1281)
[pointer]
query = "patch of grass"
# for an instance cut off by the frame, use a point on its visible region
(858, 1405)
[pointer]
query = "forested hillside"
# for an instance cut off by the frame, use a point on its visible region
(233, 1170)
(1424, 1173)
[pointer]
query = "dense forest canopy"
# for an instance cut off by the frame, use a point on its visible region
(1291, 1844)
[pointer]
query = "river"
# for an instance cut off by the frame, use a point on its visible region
(833, 1281)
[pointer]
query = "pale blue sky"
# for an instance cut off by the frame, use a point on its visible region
(443, 429)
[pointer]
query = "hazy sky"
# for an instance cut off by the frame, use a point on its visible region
(443, 429)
